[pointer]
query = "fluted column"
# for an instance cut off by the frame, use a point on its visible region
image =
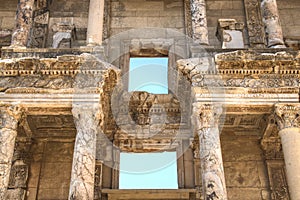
(272, 24)
(24, 16)
(288, 121)
(205, 120)
(95, 23)
(9, 118)
(86, 118)
(199, 22)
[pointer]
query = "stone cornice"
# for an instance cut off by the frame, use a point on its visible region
(243, 68)
(287, 115)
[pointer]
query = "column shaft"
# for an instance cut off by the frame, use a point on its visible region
(288, 120)
(272, 23)
(9, 117)
(213, 179)
(199, 22)
(95, 22)
(290, 139)
(24, 16)
(83, 167)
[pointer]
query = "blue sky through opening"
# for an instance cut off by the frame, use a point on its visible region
(148, 74)
(148, 171)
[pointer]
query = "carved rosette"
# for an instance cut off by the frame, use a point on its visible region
(272, 23)
(287, 115)
(199, 21)
(206, 119)
(9, 118)
(24, 22)
(87, 120)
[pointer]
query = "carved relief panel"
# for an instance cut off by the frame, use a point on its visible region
(40, 25)
(277, 178)
(254, 24)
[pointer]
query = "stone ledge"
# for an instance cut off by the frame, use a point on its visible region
(149, 194)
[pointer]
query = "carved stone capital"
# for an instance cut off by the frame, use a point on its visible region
(206, 115)
(10, 116)
(86, 115)
(287, 115)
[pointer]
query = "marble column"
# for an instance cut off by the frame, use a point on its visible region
(288, 120)
(86, 118)
(95, 23)
(24, 16)
(271, 20)
(199, 22)
(205, 120)
(9, 118)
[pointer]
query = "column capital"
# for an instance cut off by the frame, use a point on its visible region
(206, 115)
(10, 114)
(287, 115)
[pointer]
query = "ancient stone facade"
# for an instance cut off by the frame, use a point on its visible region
(231, 113)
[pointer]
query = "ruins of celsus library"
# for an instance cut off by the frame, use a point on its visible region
(76, 99)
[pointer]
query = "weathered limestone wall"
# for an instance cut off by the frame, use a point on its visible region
(7, 14)
(7, 20)
(50, 170)
(128, 14)
(245, 172)
(289, 17)
(223, 9)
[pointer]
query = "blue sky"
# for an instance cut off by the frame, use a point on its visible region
(148, 171)
(149, 74)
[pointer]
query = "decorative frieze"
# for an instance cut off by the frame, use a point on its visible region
(24, 16)
(206, 121)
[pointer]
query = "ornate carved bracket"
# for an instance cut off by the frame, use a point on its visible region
(287, 115)
(271, 143)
